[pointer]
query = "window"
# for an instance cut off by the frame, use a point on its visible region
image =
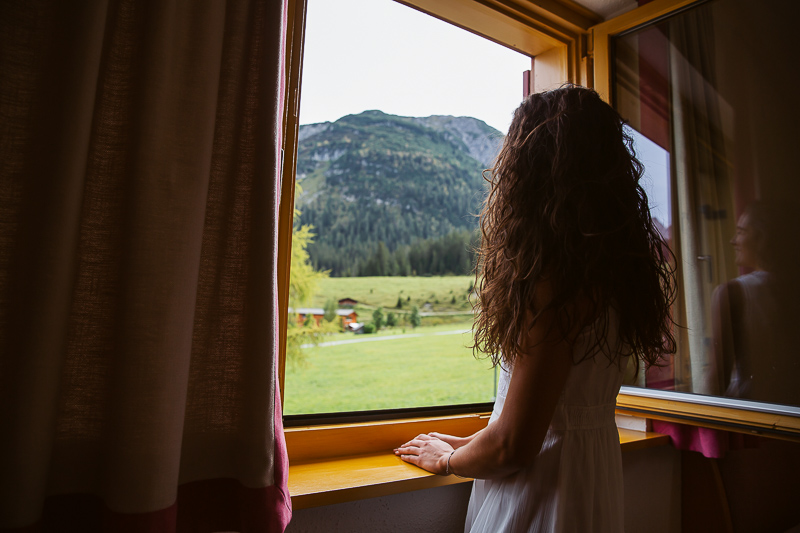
(707, 86)
(392, 142)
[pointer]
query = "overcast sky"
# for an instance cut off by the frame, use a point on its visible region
(378, 54)
(656, 177)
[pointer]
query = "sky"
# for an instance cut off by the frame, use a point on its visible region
(378, 54)
(656, 176)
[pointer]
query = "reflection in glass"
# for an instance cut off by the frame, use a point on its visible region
(752, 314)
(707, 89)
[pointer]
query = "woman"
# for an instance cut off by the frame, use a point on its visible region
(573, 280)
(752, 315)
(744, 309)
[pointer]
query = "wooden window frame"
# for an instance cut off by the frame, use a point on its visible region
(566, 43)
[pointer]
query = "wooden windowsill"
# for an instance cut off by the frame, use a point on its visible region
(344, 479)
(321, 481)
(768, 424)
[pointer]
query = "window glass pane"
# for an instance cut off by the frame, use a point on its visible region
(710, 89)
(400, 113)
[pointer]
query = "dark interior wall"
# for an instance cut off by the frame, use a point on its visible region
(442, 509)
(762, 486)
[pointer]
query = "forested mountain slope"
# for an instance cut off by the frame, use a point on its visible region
(412, 184)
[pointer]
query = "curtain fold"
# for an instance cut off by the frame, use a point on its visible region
(704, 191)
(138, 226)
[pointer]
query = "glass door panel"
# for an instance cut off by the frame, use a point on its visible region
(708, 94)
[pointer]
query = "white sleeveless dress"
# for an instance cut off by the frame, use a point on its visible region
(575, 482)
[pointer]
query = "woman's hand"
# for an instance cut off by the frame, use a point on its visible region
(455, 442)
(426, 452)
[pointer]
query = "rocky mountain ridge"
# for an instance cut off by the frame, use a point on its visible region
(377, 178)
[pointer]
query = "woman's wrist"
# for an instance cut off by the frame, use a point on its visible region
(448, 469)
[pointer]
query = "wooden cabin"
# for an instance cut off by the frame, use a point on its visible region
(346, 316)
(347, 302)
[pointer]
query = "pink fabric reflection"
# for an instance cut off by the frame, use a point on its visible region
(712, 443)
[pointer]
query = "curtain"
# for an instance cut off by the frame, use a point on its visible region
(704, 189)
(140, 157)
(705, 199)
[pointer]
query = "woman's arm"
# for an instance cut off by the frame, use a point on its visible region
(725, 321)
(453, 441)
(515, 438)
(722, 335)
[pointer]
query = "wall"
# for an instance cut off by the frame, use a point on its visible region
(762, 486)
(442, 509)
(652, 480)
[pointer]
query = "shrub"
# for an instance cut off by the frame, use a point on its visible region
(377, 318)
(330, 310)
(415, 319)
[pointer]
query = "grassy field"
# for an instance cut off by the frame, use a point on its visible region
(442, 293)
(421, 367)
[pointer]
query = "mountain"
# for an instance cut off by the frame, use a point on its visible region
(413, 184)
(482, 141)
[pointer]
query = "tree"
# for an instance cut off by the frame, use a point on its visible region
(391, 320)
(303, 283)
(304, 280)
(415, 319)
(330, 310)
(377, 318)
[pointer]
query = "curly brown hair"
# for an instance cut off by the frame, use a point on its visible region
(565, 207)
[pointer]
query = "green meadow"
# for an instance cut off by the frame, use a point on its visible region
(429, 365)
(395, 367)
(441, 293)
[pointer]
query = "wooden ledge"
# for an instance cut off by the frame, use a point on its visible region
(321, 443)
(341, 479)
(726, 418)
(345, 479)
(631, 440)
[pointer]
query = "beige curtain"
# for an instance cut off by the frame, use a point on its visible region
(140, 159)
(705, 196)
